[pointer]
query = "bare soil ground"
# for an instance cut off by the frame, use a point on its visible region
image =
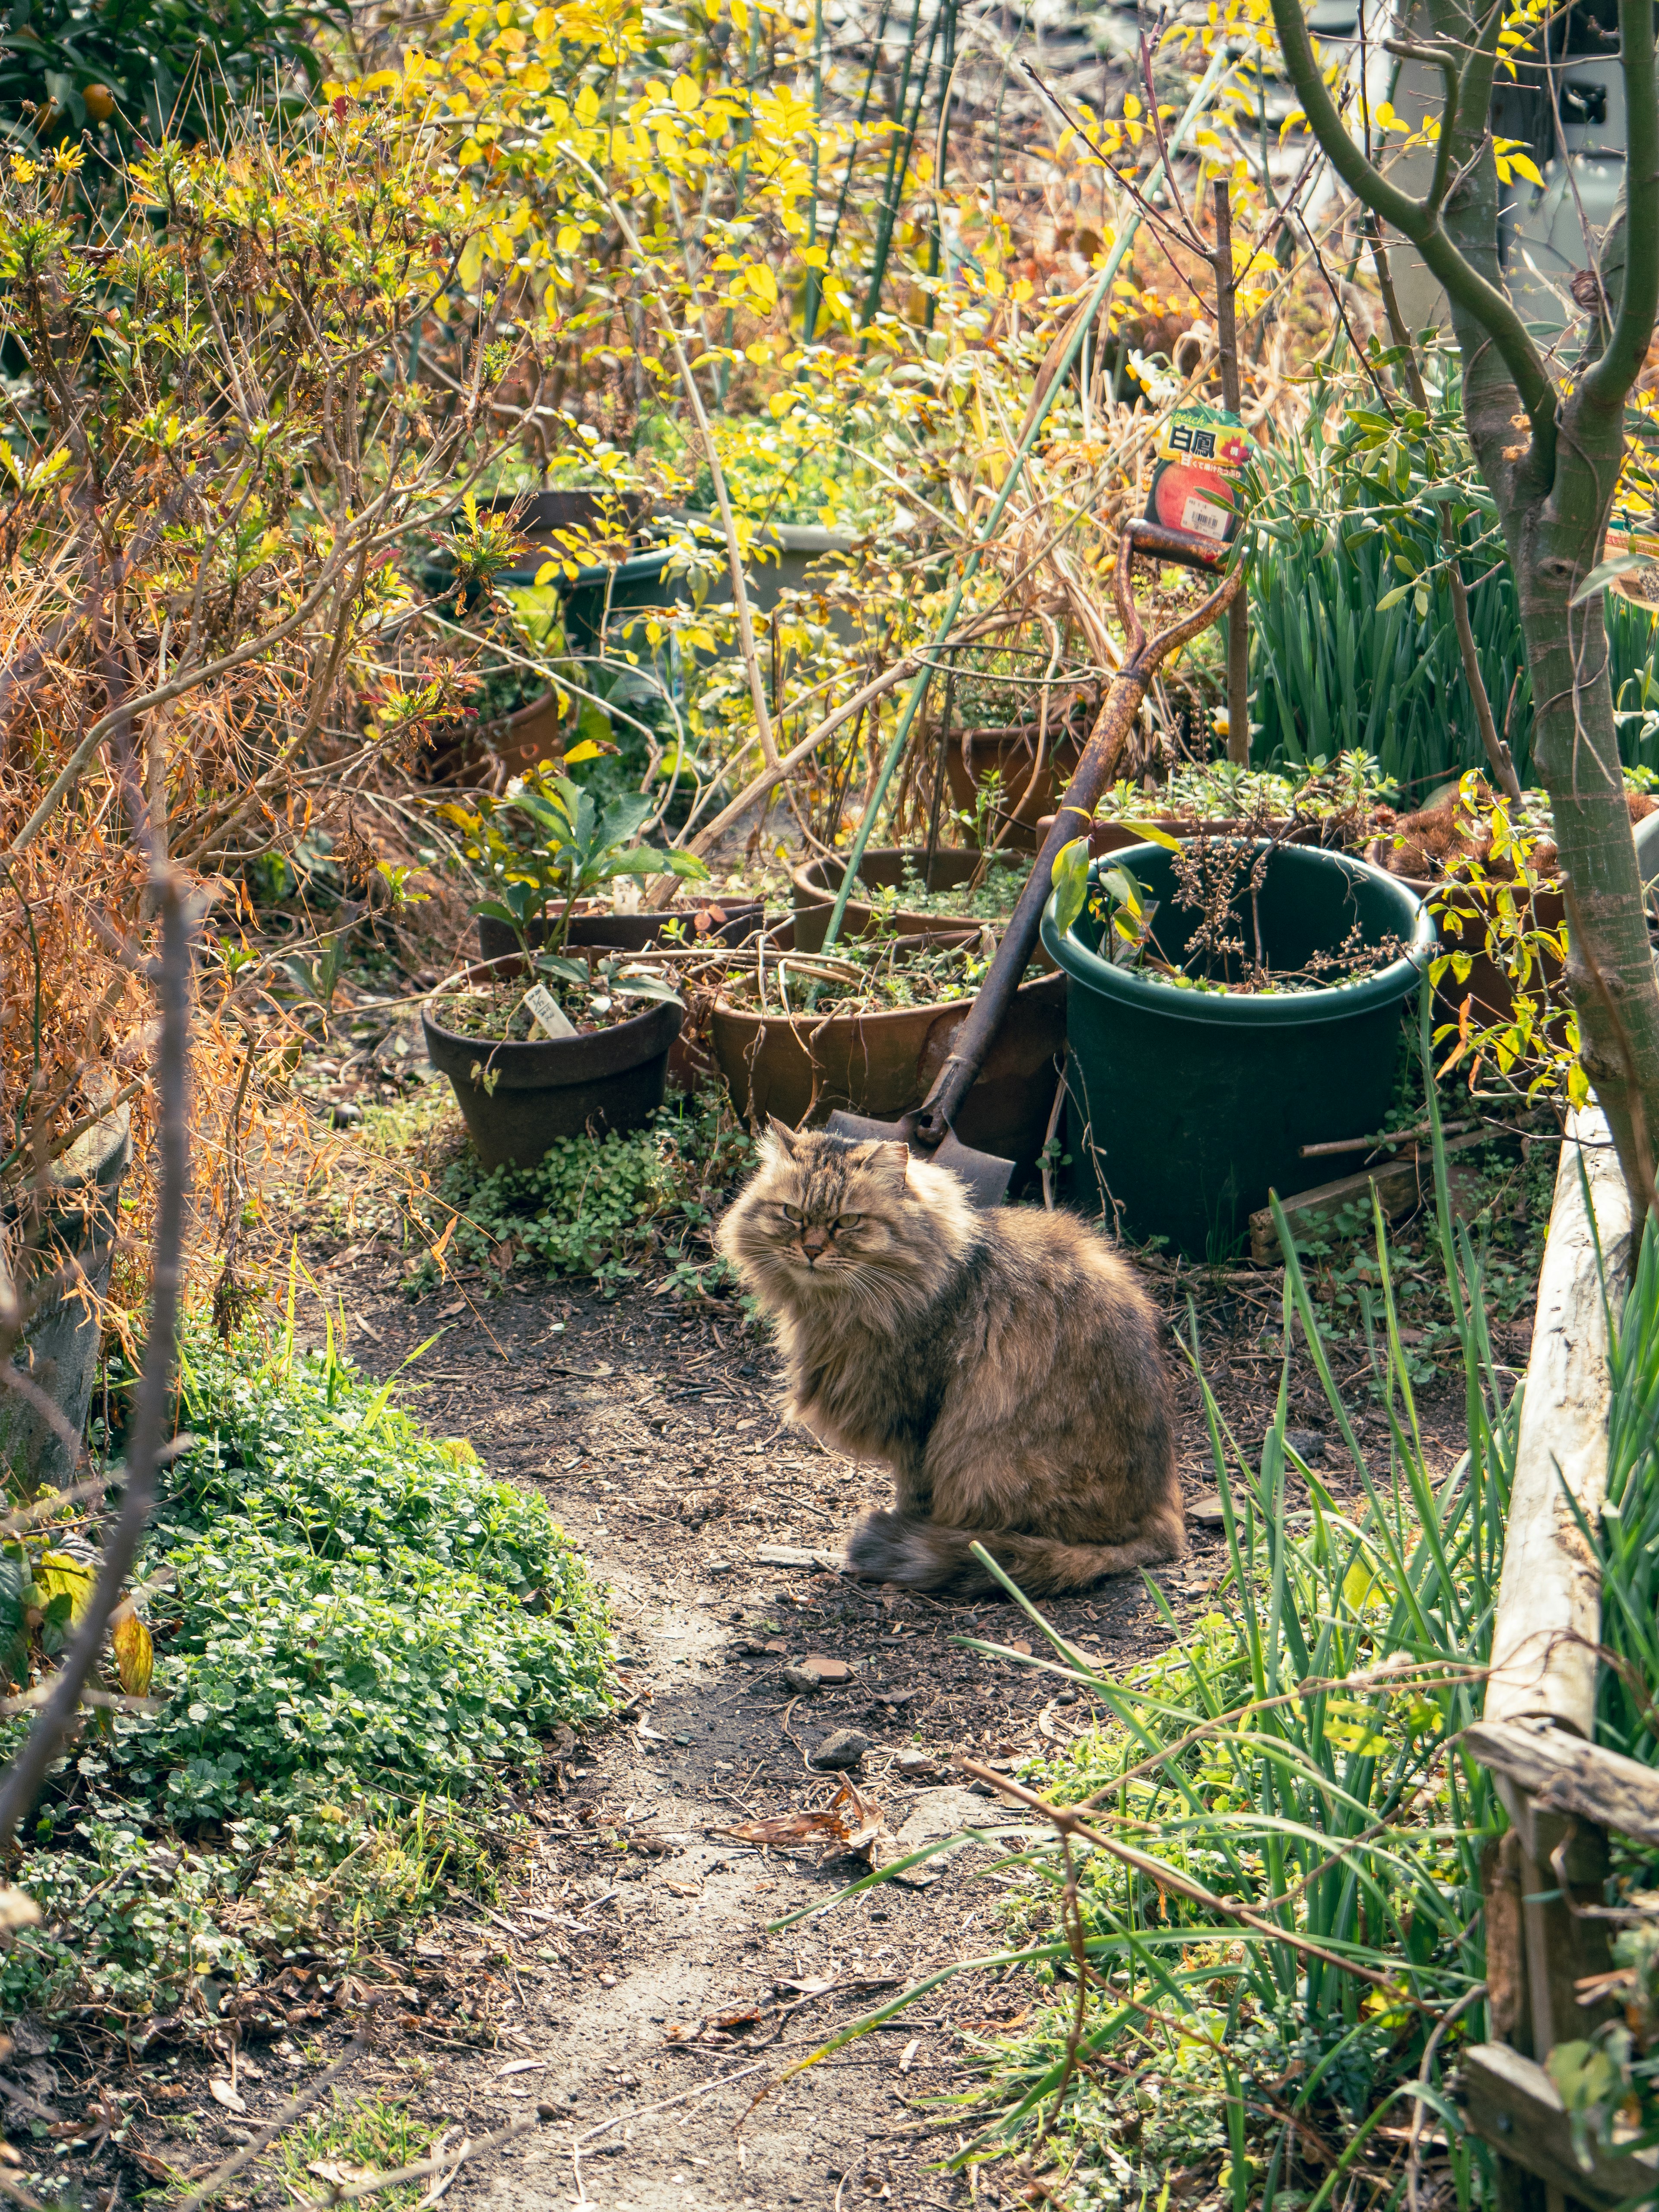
(630, 1982)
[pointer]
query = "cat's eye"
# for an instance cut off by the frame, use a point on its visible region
(791, 1214)
(849, 1220)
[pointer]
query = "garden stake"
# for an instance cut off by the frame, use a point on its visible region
(928, 1131)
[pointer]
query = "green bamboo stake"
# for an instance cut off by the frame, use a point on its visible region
(1219, 67)
(809, 316)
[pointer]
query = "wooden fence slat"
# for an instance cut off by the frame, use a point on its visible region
(1548, 1613)
(1513, 2104)
(1563, 1774)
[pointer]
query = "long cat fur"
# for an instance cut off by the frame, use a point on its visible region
(1005, 1364)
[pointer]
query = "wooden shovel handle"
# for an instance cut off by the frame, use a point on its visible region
(1095, 772)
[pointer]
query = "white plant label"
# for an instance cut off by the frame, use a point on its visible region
(1205, 517)
(549, 1015)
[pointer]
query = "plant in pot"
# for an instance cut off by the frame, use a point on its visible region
(797, 1032)
(548, 1039)
(504, 836)
(1337, 803)
(1013, 730)
(1232, 999)
(1487, 866)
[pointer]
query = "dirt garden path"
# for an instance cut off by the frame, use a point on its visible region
(639, 1993)
(630, 1980)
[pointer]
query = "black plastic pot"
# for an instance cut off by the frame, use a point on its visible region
(1186, 1108)
(61, 1340)
(547, 1088)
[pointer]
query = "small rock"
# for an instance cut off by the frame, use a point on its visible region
(775, 1648)
(718, 1566)
(1307, 1445)
(913, 1766)
(801, 1680)
(1066, 1696)
(346, 1115)
(981, 1789)
(682, 1740)
(826, 1670)
(845, 1748)
(1206, 1509)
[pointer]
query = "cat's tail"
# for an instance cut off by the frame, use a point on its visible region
(891, 1548)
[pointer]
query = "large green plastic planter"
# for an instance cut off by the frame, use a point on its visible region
(1187, 1107)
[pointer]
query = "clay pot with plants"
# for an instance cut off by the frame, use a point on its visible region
(555, 1039)
(799, 1032)
(1011, 736)
(907, 891)
(1486, 866)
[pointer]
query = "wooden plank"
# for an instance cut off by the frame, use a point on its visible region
(1561, 1773)
(1401, 1186)
(1549, 1618)
(1513, 2104)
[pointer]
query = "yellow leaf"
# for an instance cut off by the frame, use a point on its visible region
(589, 748)
(135, 1652)
(588, 105)
(58, 1574)
(684, 95)
(472, 263)
(1524, 166)
(1357, 1585)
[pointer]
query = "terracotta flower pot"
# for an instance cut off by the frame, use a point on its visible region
(815, 886)
(1011, 754)
(1487, 989)
(882, 1064)
(549, 1087)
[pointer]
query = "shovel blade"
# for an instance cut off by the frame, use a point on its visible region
(985, 1174)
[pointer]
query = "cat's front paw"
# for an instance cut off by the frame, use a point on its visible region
(876, 1547)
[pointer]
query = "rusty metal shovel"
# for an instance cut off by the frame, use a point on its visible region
(928, 1131)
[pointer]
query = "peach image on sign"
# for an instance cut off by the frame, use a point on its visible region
(1194, 499)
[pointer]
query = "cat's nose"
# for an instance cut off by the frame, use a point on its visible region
(813, 1241)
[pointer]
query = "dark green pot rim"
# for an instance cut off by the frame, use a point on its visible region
(1222, 1010)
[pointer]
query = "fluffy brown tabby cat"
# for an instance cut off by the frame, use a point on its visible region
(1005, 1364)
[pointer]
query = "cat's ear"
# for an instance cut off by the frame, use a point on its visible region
(891, 1162)
(783, 1135)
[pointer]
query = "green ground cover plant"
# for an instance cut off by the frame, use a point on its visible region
(1266, 1944)
(598, 1206)
(360, 1637)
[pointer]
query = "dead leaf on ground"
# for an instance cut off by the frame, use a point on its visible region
(850, 1822)
(222, 2094)
(342, 2172)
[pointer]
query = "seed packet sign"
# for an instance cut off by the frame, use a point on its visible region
(547, 1011)
(1201, 454)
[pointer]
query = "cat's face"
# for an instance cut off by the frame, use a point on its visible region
(824, 1208)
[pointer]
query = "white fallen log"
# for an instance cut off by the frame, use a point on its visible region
(1549, 1604)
